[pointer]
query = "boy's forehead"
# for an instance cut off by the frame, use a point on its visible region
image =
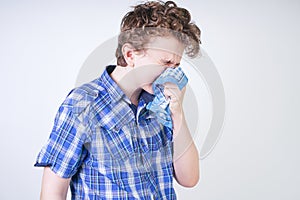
(166, 45)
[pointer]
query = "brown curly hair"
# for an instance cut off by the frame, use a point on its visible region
(157, 18)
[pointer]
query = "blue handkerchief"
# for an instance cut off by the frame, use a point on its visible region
(160, 105)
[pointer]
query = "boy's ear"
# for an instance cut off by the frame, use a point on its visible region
(128, 54)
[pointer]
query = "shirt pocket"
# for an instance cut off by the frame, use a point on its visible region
(118, 148)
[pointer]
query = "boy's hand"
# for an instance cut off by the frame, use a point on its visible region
(172, 92)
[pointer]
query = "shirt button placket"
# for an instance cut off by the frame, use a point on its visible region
(144, 146)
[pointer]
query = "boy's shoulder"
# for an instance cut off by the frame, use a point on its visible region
(80, 97)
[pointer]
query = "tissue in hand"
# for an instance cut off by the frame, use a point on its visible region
(160, 105)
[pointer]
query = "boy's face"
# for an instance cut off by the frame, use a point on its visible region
(158, 55)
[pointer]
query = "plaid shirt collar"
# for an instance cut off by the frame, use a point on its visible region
(116, 96)
(115, 92)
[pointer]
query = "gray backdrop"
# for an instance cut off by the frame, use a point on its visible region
(253, 44)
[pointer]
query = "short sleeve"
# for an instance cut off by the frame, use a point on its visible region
(64, 150)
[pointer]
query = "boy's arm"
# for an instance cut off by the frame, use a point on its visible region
(186, 158)
(53, 186)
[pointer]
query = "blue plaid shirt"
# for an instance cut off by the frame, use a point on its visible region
(110, 148)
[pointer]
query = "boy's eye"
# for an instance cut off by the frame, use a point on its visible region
(170, 63)
(167, 62)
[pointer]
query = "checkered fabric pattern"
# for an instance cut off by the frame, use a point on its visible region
(160, 105)
(107, 150)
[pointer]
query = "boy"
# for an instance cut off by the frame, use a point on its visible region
(105, 144)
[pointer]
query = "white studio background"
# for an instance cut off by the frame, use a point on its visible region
(253, 44)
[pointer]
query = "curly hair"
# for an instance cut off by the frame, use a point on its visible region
(156, 18)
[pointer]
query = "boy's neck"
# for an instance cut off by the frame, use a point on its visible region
(126, 83)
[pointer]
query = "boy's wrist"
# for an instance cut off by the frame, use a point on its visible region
(178, 121)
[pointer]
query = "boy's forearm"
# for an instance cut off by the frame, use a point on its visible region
(186, 157)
